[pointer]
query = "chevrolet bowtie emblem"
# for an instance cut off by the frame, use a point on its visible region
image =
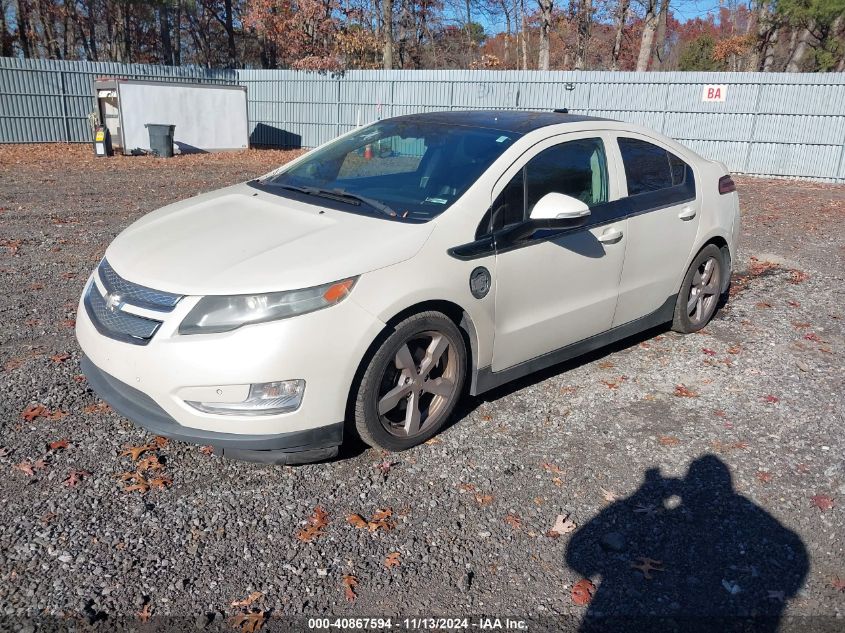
(114, 301)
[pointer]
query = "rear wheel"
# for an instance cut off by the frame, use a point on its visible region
(700, 291)
(412, 383)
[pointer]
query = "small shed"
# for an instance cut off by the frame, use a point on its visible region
(208, 117)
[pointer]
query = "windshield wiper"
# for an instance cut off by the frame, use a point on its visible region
(343, 196)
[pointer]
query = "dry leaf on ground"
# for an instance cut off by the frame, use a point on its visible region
(563, 525)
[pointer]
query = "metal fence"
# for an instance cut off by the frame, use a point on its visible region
(771, 124)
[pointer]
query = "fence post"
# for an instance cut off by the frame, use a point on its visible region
(751, 136)
(65, 122)
(337, 110)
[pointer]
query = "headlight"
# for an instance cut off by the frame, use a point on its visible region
(222, 314)
(268, 398)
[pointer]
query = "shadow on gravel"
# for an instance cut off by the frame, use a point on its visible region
(687, 555)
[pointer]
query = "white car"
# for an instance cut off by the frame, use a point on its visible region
(365, 286)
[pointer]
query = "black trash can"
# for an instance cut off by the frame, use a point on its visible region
(161, 139)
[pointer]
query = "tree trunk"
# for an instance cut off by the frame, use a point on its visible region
(164, 34)
(51, 43)
(647, 39)
(524, 34)
(799, 50)
(387, 19)
(659, 55)
(585, 21)
(230, 35)
(91, 23)
(506, 12)
(6, 39)
(545, 26)
(769, 51)
(624, 6)
(177, 35)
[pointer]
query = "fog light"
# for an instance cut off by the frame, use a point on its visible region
(266, 398)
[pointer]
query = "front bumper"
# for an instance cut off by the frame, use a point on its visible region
(286, 448)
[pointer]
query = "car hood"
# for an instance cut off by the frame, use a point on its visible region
(240, 240)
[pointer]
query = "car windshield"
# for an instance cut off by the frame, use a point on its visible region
(401, 169)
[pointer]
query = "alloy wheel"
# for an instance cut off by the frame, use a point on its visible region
(416, 389)
(704, 291)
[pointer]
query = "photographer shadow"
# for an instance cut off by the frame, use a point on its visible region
(687, 555)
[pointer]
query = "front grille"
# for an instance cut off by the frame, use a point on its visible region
(109, 317)
(116, 323)
(136, 294)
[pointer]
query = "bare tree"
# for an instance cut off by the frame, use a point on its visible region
(585, 20)
(545, 26)
(799, 46)
(387, 30)
(647, 39)
(659, 54)
(624, 7)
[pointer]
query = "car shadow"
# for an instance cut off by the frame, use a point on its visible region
(687, 554)
(469, 403)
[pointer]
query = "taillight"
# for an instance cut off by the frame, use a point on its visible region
(726, 184)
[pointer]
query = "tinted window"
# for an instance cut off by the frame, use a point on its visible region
(649, 167)
(577, 169)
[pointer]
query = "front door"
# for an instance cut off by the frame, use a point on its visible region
(554, 288)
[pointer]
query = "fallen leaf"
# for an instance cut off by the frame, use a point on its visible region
(150, 462)
(433, 441)
(669, 440)
(47, 517)
(552, 468)
(764, 476)
(74, 477)
(25, 468)
(34, 411)
(771, 399)
(160, 483)
(317, 522)
(59, 358)
(793, 304)
(392, 560)
(135, 452)
(709, 352)
(798, 276)
(207, 450)
(513, 520)
(356, 520)
(838, 584)
(381, 521)
(58, 414)
(58, 445)
(683, 392)
(69, 323)
(736, 349)
(160, 442)
(823, 502)
(812, 336)
(608, 495)
(145, 613)
(99, 407)
(349, 584)
(248, 622)
(647, 565)
(12, 364)
(606, 364)
(563, 525)
(582, 592)
(255, 595)
(483, 500)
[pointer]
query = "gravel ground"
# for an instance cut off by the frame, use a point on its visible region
(718, 454)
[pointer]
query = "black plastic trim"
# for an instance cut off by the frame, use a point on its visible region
(487, 379)
(143, 411)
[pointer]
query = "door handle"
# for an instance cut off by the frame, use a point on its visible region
(687, 214)
(610, 236)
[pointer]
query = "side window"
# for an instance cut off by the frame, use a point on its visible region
(577, 169)
(649, 167)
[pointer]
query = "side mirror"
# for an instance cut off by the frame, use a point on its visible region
(557, 206)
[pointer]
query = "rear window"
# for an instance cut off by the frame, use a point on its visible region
(649, 167)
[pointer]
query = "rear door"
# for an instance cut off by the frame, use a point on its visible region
(663, 213)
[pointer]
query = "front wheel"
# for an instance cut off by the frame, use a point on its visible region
(700, 291)
(412, 383)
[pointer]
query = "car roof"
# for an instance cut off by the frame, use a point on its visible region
(515, 121)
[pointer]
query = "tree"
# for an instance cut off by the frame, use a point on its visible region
(545, 26)
(647, 39)
(624, 6)
(698, 55)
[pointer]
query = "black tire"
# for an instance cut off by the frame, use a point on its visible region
(383, 376)
(687, 320)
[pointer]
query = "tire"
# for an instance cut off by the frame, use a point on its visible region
(701, 291)
(404, 372)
